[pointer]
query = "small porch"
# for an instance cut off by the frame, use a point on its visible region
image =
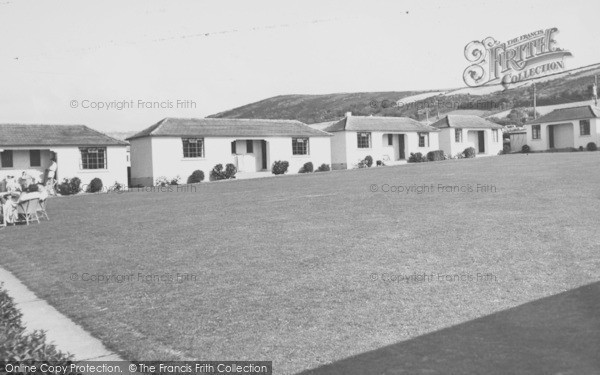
(250, 155)
(394, 148)
(476, 138)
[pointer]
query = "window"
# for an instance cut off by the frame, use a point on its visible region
(535, 131)
(35, 159)
(6, 159)
(495, 135)
(458, 135)
(249, 147)
(423, 139)
(390, 139)
(193, 147)
(93, 157)
(300, 146)
(233, 147)
(584, 127)
(364, 140)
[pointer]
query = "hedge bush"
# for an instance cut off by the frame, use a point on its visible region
(436, 155)
(195, 177)
(323, 168)
(525, 149)
(470, 152)
(280, 167)
(306, 168)
(416, 158)
(95, 185)
(368, 161)
(218, 173)
(591, 147)
(69, 187)
(230, 170)
(17, 345)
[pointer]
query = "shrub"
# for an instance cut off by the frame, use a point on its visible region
(416, 158)
(218, 173)
(117, 186)
(362, 164)
(18, 345)
(175, 180)
(470, 152)
(195, 177)
(506, 149)
(323, 168)
(369, 161)
(306, 168)
(230, 171)
(459, 155)
(591, 147)
(162, 181)
(380, 163)
(280, 167)
(95, 185)
(436, 155)
(580, 149)
(525, 149)
(69, 187)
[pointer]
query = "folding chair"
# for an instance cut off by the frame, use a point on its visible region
(28, 210)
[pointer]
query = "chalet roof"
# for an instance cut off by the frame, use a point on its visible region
(378, 123)
(54, 135)
(226, 127)
(568, 114)
(465, 121)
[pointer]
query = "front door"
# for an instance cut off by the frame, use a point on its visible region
(401, 146)
(551, 136)
(481, 141)
(263, 151)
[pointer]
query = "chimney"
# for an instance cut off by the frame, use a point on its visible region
(348, 114)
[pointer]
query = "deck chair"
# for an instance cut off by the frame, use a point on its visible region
(28, 210)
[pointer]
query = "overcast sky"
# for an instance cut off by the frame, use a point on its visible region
(223, 54)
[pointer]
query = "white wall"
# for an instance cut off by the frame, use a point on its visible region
(379, 146)
(166, 155)
(281, 149)
(339, 157)
(566, 134)
(141, 162)
(470, 138)
(69, 165)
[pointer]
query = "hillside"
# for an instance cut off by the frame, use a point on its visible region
(568, 87)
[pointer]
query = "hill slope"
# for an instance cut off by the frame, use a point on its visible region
(568, 87)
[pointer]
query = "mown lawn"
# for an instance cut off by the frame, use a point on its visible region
(290, 269)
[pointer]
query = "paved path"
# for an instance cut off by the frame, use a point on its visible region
(60, 330)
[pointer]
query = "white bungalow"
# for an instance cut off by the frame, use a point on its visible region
(458, 132)
(389, 139)
(79, 152)
(565, 128)
(177, 147)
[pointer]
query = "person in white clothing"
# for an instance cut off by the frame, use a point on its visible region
(52, 175)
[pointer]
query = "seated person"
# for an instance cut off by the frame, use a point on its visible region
(25, 181)
(9, 209)
(12, 186)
